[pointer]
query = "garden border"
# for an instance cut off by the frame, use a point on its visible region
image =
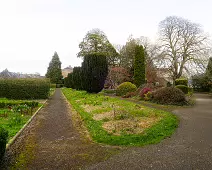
(11, 141)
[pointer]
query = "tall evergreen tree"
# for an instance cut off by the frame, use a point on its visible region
(94, 71)
(54, 70)
(139, 66)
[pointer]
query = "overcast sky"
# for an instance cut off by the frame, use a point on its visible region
(32, 30)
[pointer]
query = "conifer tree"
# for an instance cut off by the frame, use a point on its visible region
(54, 72)
(139, 66)
(94, 71)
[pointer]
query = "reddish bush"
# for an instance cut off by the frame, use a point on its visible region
(169, 95)
(144, 91)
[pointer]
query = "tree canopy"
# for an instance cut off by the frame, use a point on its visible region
(95, 41)
(184, 46)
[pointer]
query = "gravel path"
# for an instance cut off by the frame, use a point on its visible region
(189, 148)
(52, 142)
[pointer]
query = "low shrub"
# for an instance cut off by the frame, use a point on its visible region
(170, 96)
(3, 141)
(144, 91)
(183, 88)
(125, 87)
(24, 88)
(148, 96)
(181, 81)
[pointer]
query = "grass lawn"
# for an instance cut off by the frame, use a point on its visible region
(119, 122)
(14, 117)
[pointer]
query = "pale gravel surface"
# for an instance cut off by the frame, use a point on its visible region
(189, 148)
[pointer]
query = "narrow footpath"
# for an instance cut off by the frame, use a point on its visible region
(190, 148)
(52, 142)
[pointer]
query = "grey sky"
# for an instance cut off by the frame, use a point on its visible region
(31, 30)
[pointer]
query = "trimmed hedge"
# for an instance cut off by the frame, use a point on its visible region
(124, 88)
(3, 141)
(24, 88)
(9, 103)
(77, 78)
(183, 88)
(181, 81)
(170, 96)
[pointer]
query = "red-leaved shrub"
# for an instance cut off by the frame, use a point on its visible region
(144, 91)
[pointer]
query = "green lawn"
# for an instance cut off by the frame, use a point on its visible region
(13, 118)
(119, 122)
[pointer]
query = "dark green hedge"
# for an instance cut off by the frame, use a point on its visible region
(68, 81)
(3, 141)
(24, 88)
(94, 72)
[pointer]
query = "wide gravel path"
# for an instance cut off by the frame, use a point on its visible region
(189, 148)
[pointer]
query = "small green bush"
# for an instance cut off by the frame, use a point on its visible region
(183, 88)
(170, 96)
(181, 81)
(124, 88)
(3, 141)
(24, 88)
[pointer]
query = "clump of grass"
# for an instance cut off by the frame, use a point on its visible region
(121, 122)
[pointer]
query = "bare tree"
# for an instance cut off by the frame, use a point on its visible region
(184, 46)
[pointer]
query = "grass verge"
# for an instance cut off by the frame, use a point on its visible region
(118, 122)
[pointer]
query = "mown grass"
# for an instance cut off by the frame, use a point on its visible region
(155, 133)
